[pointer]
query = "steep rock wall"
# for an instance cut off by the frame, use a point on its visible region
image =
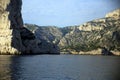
(16, 39)
(10, 24)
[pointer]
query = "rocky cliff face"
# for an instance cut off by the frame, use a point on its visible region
(16, 39)
(48, 37)
(10, 23)
(93, 37)
(114, 14)
(52, 34)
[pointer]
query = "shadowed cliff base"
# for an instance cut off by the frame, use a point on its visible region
(36, 46)
(16, 23)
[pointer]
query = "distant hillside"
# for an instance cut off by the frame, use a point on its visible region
(88, 38)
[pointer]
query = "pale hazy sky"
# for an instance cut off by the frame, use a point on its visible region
(65, 12)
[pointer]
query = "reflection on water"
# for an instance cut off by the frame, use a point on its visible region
(5, 71)
(59, 67)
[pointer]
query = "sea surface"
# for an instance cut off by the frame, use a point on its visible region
(59, 67)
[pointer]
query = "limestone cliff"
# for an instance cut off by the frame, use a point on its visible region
(93, 35)
(114, 14)
(16, 39)
(88, 38)
(48, 37)
(10, 23)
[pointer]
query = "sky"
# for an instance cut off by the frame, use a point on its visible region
(63, 13)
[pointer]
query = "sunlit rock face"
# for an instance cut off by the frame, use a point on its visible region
(100, 36)
(10, 23)
(94, 35)
(114, 14)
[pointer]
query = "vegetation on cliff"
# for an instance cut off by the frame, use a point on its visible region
(15, 38)
(97, 34)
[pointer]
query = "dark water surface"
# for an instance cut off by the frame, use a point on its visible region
(59, 67)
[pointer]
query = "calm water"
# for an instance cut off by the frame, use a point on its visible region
(59, 67)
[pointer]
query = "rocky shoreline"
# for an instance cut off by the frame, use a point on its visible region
(93, 52)
(100, 36)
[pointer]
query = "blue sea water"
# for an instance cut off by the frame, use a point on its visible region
(59, 67)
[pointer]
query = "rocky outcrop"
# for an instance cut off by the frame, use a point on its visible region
(100, 36)
(10, 23)
(35, 45)
(16, 39)
(47, 38)
(87, 38)
(93, 52)
(51, 34)
(114, 14)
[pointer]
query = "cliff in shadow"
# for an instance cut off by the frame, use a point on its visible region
(16, 39)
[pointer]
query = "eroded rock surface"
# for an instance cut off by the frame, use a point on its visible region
(10, 23)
